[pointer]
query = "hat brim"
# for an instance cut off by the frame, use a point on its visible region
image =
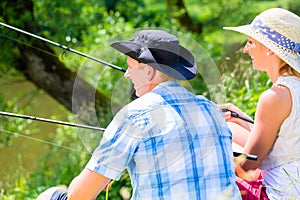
(289, 56)
(183, 68)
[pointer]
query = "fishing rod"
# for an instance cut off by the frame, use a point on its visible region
(8, 114)
(63, 47)
(51, 121)
(247, 156)
(237, 154)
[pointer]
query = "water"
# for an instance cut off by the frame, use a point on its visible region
(23, 153)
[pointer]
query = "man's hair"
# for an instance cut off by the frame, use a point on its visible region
(163, 77)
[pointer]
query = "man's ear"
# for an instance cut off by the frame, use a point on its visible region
(150, 72)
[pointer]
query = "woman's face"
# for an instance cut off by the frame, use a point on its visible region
(259, 54)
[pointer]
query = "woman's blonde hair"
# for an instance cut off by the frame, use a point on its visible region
(287, 69)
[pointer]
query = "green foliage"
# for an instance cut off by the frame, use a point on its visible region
(90, 27)
(19, 191)
(9, 125)
(244, 85)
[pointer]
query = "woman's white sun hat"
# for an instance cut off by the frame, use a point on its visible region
(279, 30)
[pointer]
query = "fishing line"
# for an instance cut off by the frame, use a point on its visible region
(44, 141)
(27, 44)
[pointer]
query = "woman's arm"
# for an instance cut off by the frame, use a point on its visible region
(274, 106)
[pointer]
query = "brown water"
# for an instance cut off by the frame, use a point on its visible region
(23, 153)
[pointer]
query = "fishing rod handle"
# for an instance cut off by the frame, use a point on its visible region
(236, 115)
(247, 156)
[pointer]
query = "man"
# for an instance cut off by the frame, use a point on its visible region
(174, 144)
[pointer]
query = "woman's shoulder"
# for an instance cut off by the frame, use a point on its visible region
(278, 92)
(276, 101)
(277, 95)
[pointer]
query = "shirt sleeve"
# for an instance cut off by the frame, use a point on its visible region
(116, 148)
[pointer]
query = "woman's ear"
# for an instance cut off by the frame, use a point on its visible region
(270, 52)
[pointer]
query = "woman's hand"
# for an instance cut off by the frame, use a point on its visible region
(235, 115)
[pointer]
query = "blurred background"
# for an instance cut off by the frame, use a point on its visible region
(43, 80)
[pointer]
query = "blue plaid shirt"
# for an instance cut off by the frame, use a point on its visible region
(174, 144)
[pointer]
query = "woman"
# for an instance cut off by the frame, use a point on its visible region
(274, 47)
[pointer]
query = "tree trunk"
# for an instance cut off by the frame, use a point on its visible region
(178, 10)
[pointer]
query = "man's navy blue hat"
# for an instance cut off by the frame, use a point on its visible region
(160, 50)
